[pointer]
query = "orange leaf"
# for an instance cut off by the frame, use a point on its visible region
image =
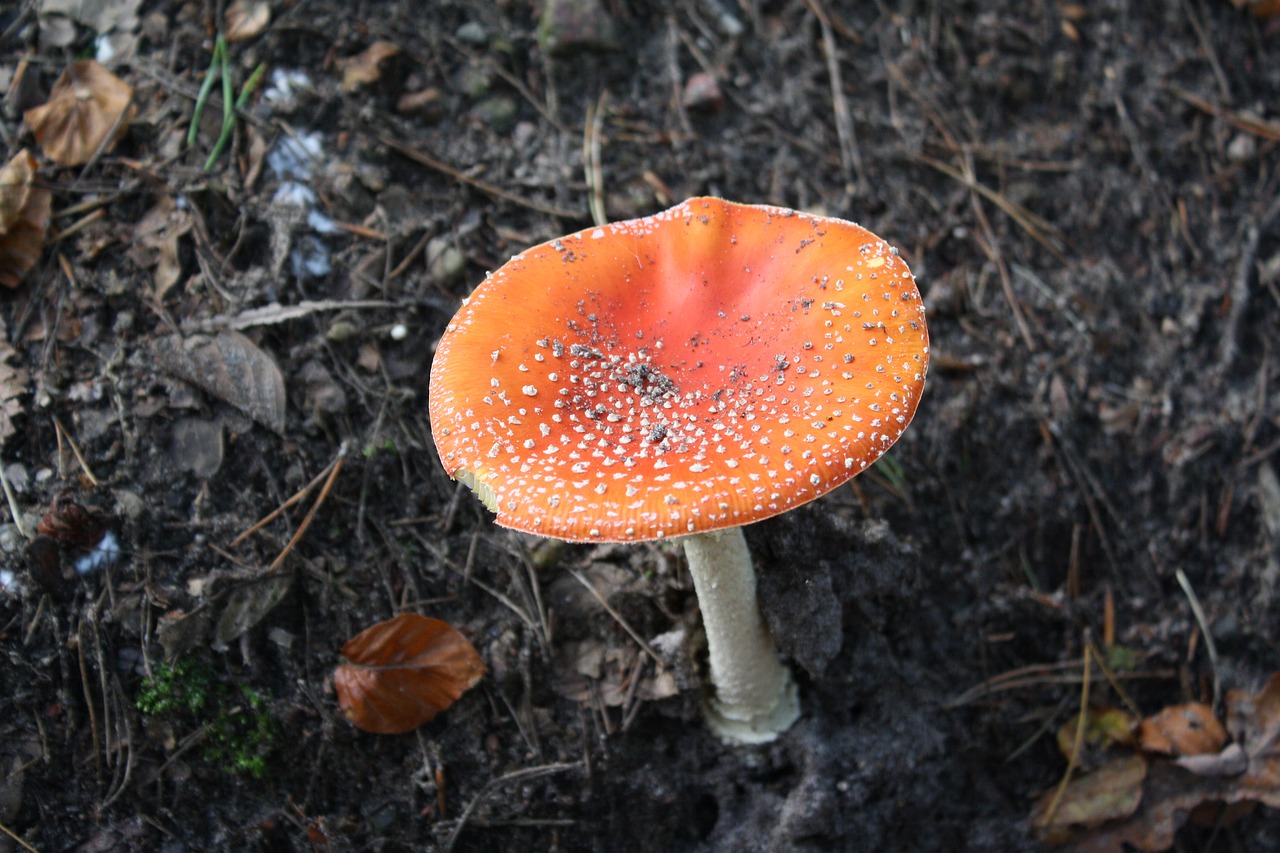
(1189, 729)
(404, 671)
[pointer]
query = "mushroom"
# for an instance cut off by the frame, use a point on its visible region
(684, 374)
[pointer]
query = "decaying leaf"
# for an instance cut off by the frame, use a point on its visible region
(366, 67)
(246, 19)
(230, 367)
(1104, 728)
(89, 108)
(1189, 729)
(248, 604)
(1247, 770)
(155, 243)
(1259, 8)
(1113, 791)
(404, 671)
(13, 384)
(24, 218)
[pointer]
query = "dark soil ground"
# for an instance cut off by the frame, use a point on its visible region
(1088, 197)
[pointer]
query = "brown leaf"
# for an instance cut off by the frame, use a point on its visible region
(1246, 771)
(15, 186)
(230, 367)
(13, 384)
(246, 19)
(1189, 729)
(1110, 792)
(366, 67)
(24, 218)
(89, 108)
(404, 671)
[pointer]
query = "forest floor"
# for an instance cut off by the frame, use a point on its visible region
(1085, 511)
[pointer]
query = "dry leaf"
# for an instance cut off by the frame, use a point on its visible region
(1189, 729)
(249, 604)
(366, 67)
(1110, 792)
(246, 19)
(155, 242)
(1259, 8)
(230, 367)
(13, 384)
(24, 218)
(89, 108)
(15, 187)
(1245, 771)
(404, 671)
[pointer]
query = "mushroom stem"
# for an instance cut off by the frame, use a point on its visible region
(755, 699)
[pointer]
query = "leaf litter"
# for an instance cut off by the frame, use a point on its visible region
(1184, 764)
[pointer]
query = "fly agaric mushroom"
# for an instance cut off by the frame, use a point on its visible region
(682, 375)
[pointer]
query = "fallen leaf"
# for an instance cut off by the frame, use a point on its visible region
(1189, 729)
(230, 367)
(89, 108)
(248, 605)
(1243, 772)
(1110, 792)
(1259, 8)
(246, 19)
(366, 67)
(404, 671)
(1104, 728)
(155, 243)
(13, 384)
(15, 187)
(24, 218)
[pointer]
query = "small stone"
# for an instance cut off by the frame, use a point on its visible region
(197, 446)
(340, 330)
(472, 33)
(499, 112)
(444, 262)
(568, 27)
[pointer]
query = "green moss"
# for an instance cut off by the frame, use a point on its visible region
(240, 728)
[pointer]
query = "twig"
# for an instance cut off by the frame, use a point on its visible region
(492, 785)
(484, 186)
(25, 846)
(1074, 760)
(275, 513)
(63, 434)
(1247, 122)
(13, 504)
(591, 159)
(306, 522)
(617, 617)
(850, 156)
(1240, 289)
(1209, 645)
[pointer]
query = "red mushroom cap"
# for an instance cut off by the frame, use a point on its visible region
(701, 368)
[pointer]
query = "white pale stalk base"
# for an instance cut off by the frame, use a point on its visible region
(755, 699)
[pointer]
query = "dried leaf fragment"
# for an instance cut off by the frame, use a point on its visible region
(246, 19)
(1189, 729)
(24, 218)
(1112, 791)
(230, 367)
(404, 671)
(13, 384)
(89, 108)
(366, 67)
